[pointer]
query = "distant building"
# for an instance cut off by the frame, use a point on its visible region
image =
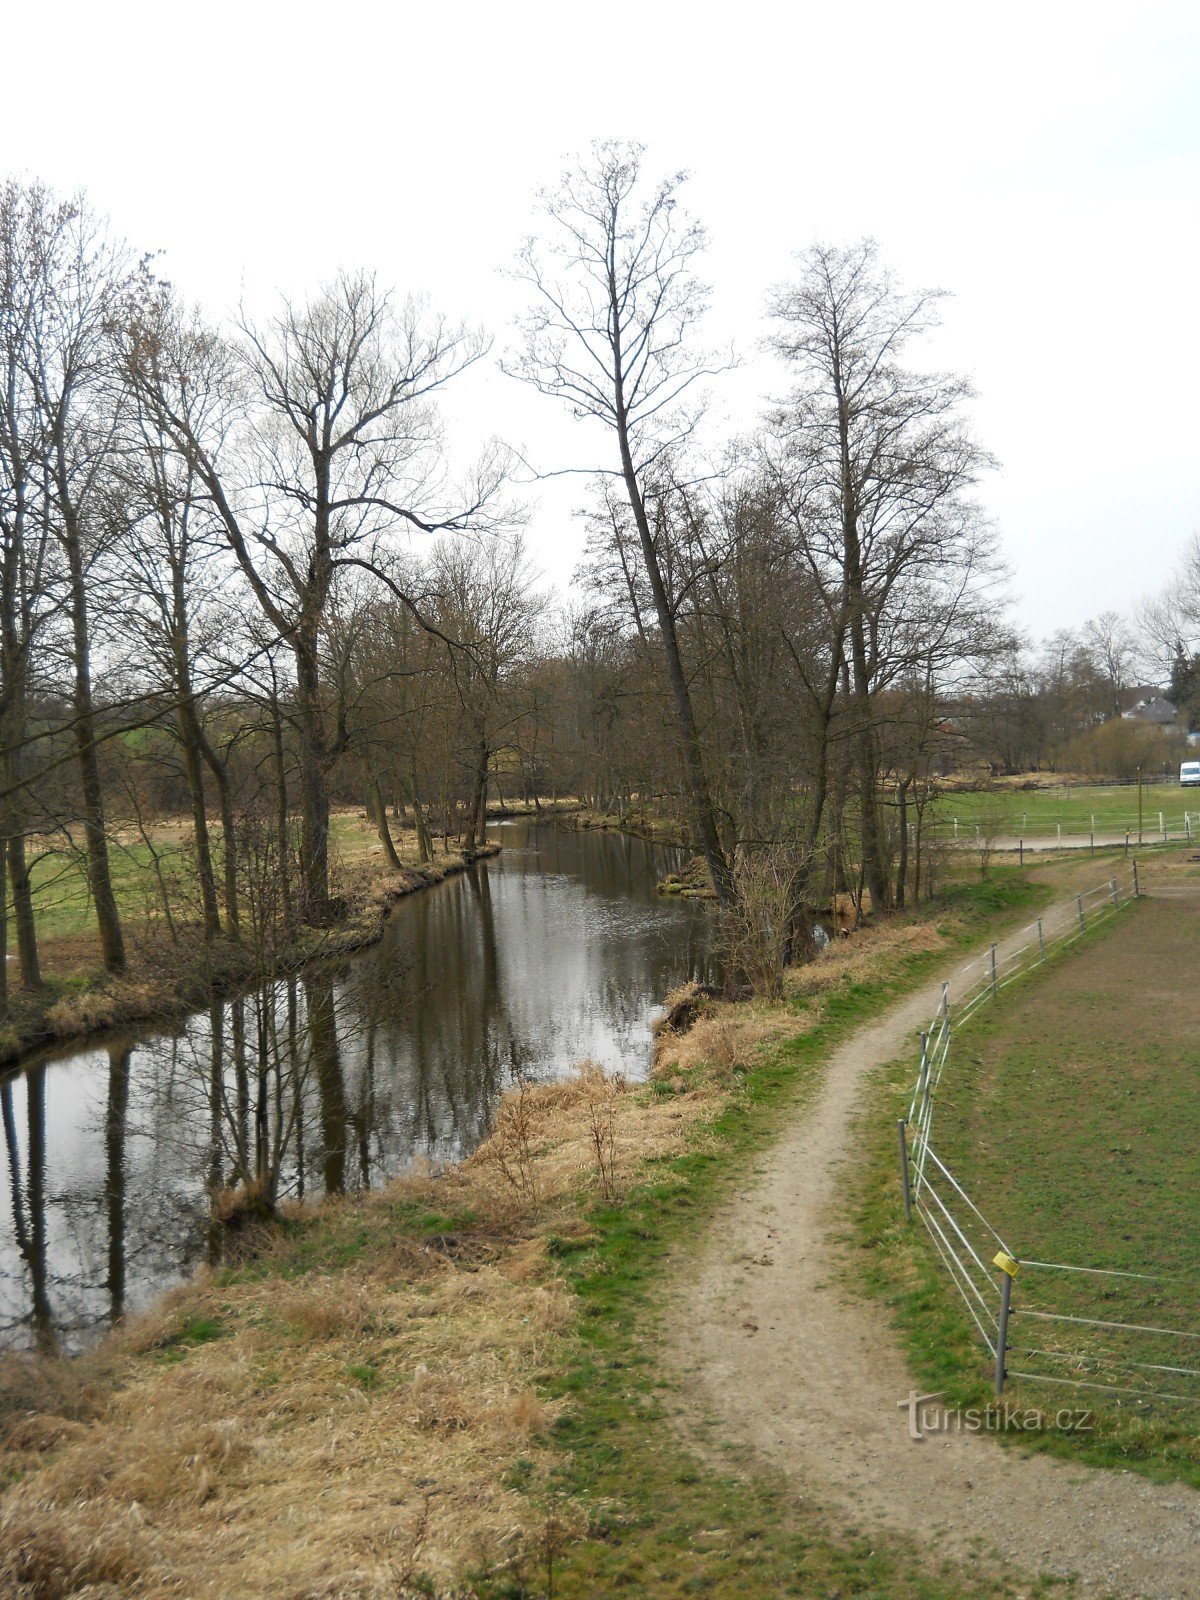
(1155, 709)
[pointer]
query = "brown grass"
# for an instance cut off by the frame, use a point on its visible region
(329, 1416)
(345, 1414)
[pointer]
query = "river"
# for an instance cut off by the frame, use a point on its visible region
(557, 950)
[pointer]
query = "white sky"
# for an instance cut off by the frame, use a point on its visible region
(1040, 161)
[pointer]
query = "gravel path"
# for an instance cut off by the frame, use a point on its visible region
(791, 1363)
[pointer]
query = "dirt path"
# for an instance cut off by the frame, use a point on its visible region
(791, 1363)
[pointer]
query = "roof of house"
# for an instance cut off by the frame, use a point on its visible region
(1153, 709)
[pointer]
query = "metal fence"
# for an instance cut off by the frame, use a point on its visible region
(1083, 1327)
(1012, 830)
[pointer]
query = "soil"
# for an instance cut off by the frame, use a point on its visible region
(793, 1364)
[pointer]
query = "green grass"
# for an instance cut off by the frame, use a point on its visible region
(1035, 812)
(667, 1517)
(62, 900)
(1069, 1113)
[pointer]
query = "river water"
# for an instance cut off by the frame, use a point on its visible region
(556, 950)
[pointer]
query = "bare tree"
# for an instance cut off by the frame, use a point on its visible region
(1114, 646)
(616, 302)
(879, 462)
(26, 569)
(73, 285)
(340, 452)
(483, 602)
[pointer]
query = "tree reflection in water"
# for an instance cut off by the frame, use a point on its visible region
(557, 950)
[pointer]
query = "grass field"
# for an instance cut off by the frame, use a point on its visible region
(63, 905)
(62, 902)
(1033, 812)
(1070, 1115)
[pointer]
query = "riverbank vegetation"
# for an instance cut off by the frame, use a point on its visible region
(268, 653)
(244, 582)
(169, 969)
(453, 1386)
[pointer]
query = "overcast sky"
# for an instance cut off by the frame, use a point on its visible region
(1042, 162)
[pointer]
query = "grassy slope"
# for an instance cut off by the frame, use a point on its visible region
(1070, 1116)
(62, 904)
(318, 1341)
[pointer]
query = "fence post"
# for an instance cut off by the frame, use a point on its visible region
(1060, 835)
(1008, 1269)
(1021, 847)
(904, 1170)
(1092, 840)
(993, 956)
(1126, 844)
(945, 999)
(1116, 893)
(1041, 942)
(1162, 827)
(1137, 888)
(1082, 918)
(956, 827)
(1187, 824)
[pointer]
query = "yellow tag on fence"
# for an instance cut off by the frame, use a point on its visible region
(1006, 1263)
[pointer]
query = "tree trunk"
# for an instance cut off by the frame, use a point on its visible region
(112, 943)
(281, 810)
(478, 804)
(22, 903)
(378, 812)
(424, 844)
(710, 839)
(15, 632)
(3, 933)
(315, 908)
(229, 874)
(194, 774)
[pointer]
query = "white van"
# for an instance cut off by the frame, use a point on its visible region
(1189, 775)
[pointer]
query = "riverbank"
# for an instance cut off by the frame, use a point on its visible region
(168, 979)
(641, 822)
(458, 1381)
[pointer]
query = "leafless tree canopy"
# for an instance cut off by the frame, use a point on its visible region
(243, 581)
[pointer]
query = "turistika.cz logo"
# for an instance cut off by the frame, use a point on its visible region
(925, 1416)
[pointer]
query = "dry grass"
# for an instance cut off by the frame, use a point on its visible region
(862, 959)
(331, 1431)
(712, 1040)
(351, 1411)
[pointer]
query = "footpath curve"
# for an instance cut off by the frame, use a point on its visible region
(790, 1362)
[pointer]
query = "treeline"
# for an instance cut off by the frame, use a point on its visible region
(240, 578)
(1063, 706)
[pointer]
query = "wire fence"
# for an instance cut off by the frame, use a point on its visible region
(1013, 830)
(1069, 1325)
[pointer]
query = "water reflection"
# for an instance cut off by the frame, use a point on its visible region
(557, 950)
